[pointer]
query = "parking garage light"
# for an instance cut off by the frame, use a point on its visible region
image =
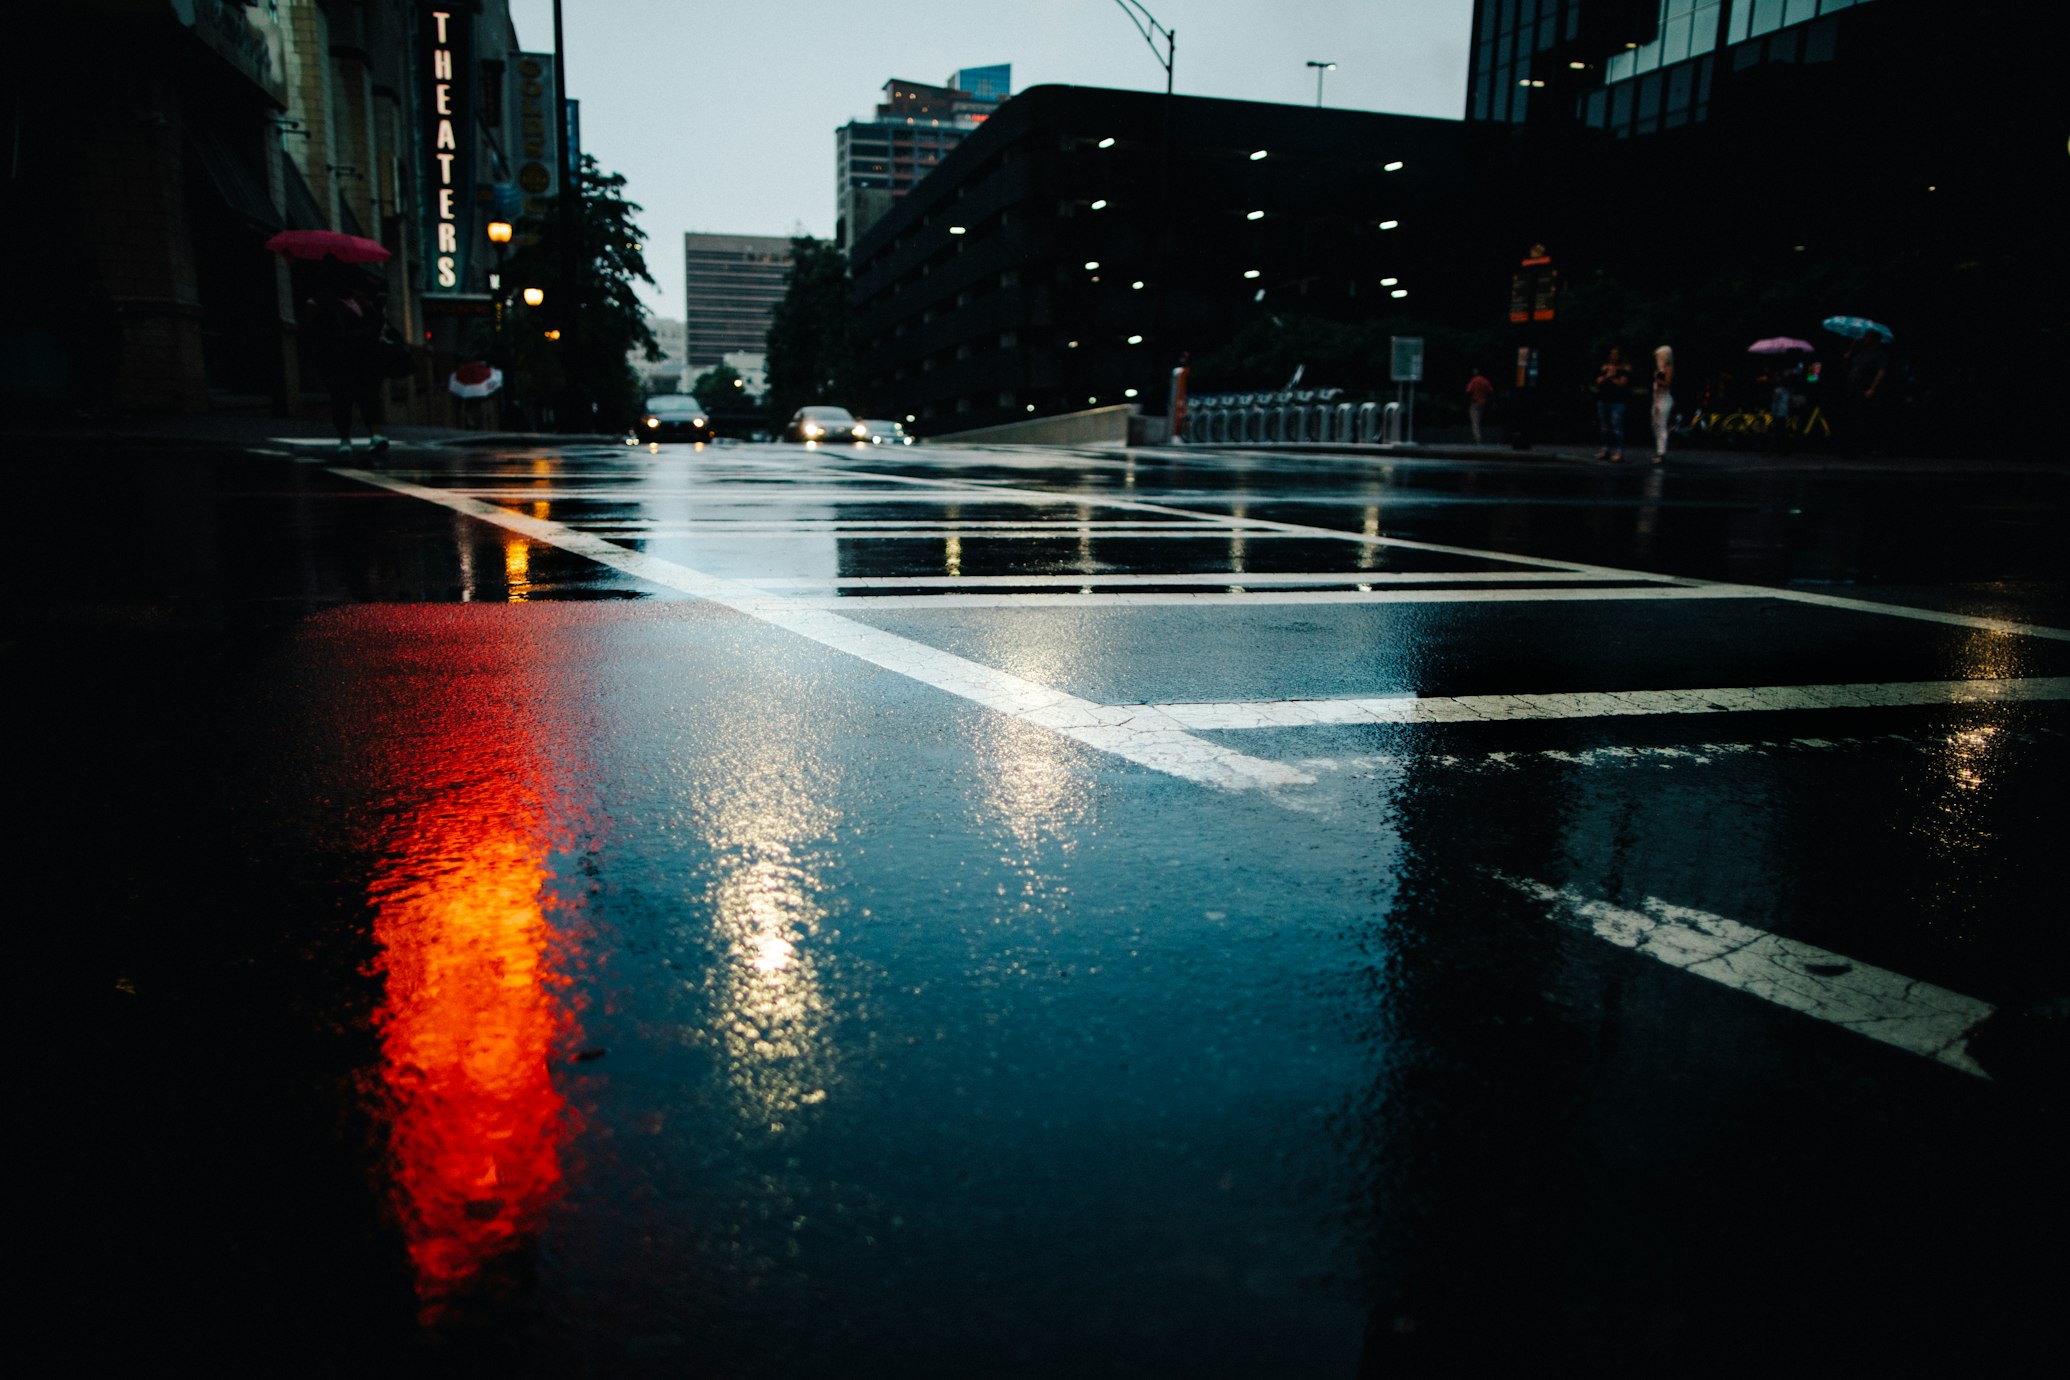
(1137, 285)
(1254, 215)
(956, 230)
(1389, 282)
(1100, 205)
(1399, 292)
(1108, 142)
(1092, 265)
(1135, 340)
(1128, 392)
(1250, 273)
(1261, 153)
(1395, 166)
(1389, 224)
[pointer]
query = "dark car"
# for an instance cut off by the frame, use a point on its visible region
(826, 425)
(886, 432)
(673, 417)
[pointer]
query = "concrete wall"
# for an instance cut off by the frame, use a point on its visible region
(1097, 426)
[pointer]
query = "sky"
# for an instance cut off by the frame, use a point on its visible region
(722, 117)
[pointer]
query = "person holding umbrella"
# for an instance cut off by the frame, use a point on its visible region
(345, 324)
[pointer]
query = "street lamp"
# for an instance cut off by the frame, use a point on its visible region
(534, 296)
(1147, 25)
(499, 235)
(1320, 68)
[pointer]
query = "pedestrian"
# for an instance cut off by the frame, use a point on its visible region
(1613, 391)
(1868, 393)
(344, 323)
(1478, 391)
(1663, 400)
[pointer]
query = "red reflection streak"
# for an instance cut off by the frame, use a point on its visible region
(473, 1010)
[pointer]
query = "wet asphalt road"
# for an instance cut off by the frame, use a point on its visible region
(749, 912)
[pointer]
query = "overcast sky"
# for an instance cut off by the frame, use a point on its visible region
(722, 117)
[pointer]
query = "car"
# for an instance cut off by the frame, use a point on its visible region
(886, 432)
(673, 417)
(825, 425)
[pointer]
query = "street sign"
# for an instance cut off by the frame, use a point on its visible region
(1534, 289)
(1407, 359)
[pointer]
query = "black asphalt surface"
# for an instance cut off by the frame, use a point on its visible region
(452, 952)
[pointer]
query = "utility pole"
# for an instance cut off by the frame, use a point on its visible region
(571, 334)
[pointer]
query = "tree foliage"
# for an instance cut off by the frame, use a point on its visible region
(588, 366)
(812, 352)
(718, 387)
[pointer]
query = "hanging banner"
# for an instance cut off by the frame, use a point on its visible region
(534, 150)
(448, 138)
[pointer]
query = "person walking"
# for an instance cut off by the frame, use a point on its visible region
(345, 321)
(1478, 391)
(1613, 391)
(1663, 400)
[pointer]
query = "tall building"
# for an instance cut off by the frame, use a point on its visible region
(878, 160)
(731, 285)
(1074, 248)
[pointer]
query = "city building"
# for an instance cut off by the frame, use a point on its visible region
(878, 160)
(664, 375)
(387, 119)
(1073, 248)
(1707, 168)
(731, 285)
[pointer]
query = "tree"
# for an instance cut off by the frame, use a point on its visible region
(812, 355)
(587, 365)
(720, 387)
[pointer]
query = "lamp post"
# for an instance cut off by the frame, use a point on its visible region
(1320, 68)
(571, 303)
(499, 235)
(1147, 25)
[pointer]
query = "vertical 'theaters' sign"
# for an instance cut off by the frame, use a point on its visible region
(449, 181)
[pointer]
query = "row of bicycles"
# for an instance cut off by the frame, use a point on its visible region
(1745, 425)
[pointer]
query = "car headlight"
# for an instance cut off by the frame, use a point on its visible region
(697, 421)
(814, 431)
(653, 422)
(861, 432)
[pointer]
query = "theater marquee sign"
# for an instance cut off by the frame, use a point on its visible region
(448, 132)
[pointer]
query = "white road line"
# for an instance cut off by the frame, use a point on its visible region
(1079, 532)
(1914, 1016)
(1203, 577)
(1964, 620)
(1411, 709)
(951, 603)
(1133, 732)
(871, 526)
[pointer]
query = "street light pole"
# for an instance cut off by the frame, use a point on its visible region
(1320, 68)
(570, 299)
(1147, 25)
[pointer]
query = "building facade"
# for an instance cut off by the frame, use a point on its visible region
(395, 120)
(731, 285)
(1082, 241)
(879, 160)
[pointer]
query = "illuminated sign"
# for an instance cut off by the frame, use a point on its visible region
(449, 130)
(538, 156)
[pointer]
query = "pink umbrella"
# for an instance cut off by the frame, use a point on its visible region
(1781, 345)
(328, 244)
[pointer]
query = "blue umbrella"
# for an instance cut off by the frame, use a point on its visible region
(1858, 327)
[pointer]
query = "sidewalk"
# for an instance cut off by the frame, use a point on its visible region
(250, 429)
(1736, 461)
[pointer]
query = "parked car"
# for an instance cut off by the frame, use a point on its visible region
(825, 425)
(886, 432)
(673, 417)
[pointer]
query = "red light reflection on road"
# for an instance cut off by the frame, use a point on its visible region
(474, 1010)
